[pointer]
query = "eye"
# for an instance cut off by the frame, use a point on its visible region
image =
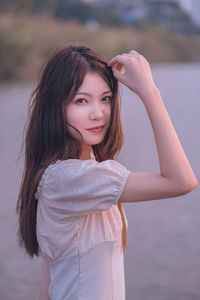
(107, 99)
(81, 100)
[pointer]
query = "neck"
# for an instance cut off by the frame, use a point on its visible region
(86, 152)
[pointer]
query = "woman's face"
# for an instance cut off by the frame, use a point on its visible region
(90, 110)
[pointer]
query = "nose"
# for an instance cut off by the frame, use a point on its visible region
(96, 112)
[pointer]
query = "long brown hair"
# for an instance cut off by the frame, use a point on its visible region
(47, 138)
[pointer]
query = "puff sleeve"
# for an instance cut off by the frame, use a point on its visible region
(78, 187)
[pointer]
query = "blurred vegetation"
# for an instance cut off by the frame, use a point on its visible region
(26, 40)
(65, 10)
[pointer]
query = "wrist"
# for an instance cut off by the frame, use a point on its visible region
(147, 96)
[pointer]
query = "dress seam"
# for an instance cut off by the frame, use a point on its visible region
(112, 275)
(79, 267)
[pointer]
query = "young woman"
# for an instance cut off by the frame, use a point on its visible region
(70, 202)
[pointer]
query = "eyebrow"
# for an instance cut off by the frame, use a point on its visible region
(88, 94)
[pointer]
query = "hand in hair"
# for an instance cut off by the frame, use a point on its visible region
(176, 176)
(133, 70)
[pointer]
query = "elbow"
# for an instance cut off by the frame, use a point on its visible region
(188, 186)
(194, 184)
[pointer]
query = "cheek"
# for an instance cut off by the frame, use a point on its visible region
(108, 112)
(73, 116)
(72, 119)
(77, 118)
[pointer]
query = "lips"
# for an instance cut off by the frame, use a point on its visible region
(96, 129)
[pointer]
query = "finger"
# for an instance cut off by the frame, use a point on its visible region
(121, 59)
(137, 54)
(127, 54)
(133, 52)
(118, 70)
(118, 74)
(119, 67)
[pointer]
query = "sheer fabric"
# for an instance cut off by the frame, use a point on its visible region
(79, 229)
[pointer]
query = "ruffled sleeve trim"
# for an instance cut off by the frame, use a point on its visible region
(41, 183)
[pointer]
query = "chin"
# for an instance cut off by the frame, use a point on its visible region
(93, 141)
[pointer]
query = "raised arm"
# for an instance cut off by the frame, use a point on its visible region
(176, 176)
(44, 282)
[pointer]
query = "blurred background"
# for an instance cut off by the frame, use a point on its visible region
(163, 257)
(162, 30)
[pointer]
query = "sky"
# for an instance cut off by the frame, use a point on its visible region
(194, 7)
(187, 4)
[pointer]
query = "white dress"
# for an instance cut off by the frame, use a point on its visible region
(79, 229)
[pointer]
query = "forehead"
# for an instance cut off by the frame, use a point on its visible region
(93, 82)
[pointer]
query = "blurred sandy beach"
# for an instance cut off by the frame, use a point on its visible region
(163, 257)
